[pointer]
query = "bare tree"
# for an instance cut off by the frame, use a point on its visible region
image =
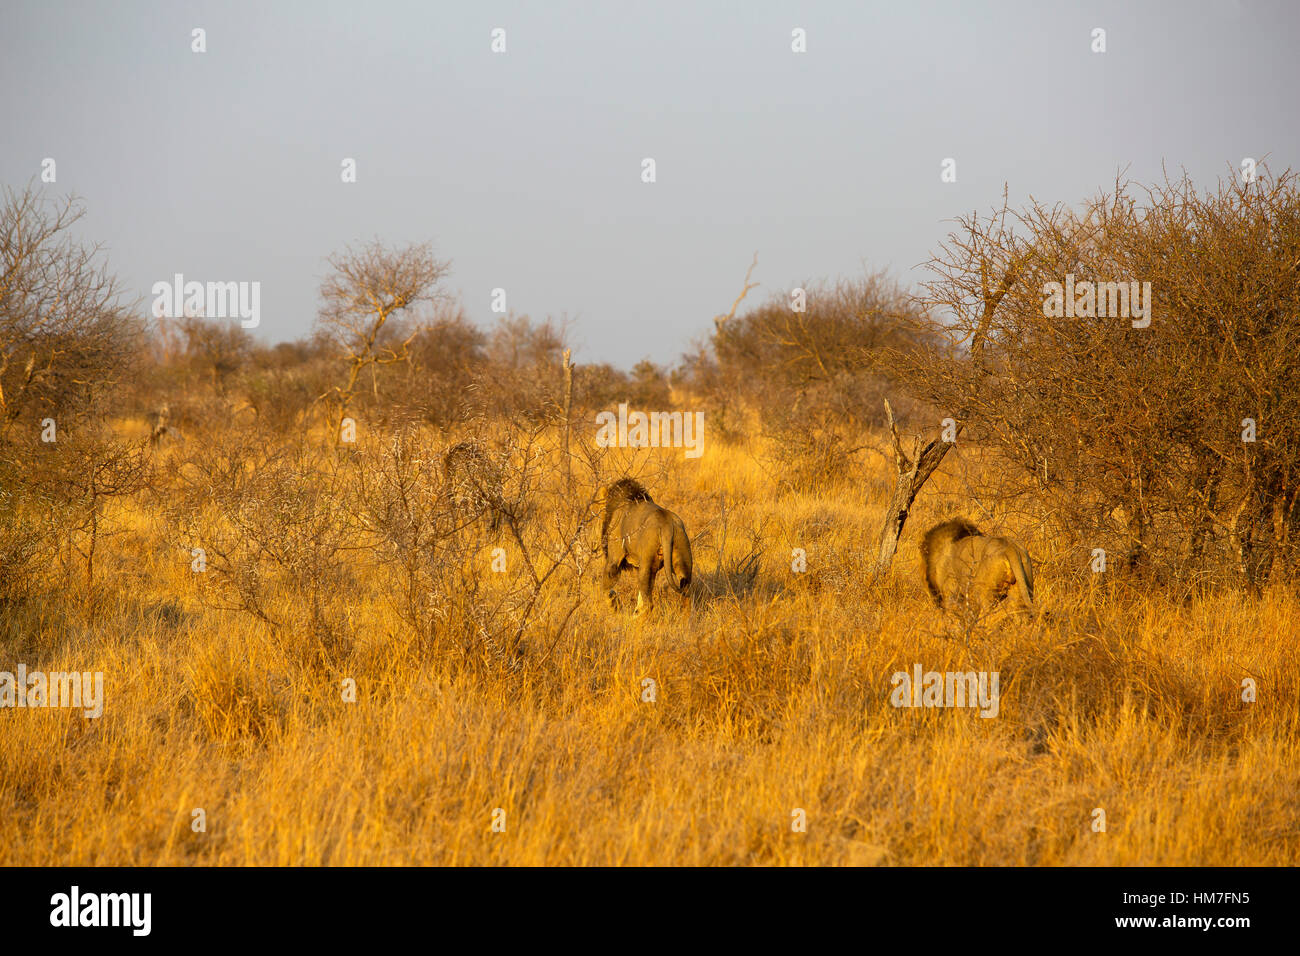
(368, 288)
(65, 336)
(915, 471)
(568, 420)
(720, 321)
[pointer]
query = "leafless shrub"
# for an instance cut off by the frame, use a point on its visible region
(817, 364)
(520, 382)
(75, 477)
(262, 521)
(447, 358)
(459, 585)
(28, 540)
(215, 348)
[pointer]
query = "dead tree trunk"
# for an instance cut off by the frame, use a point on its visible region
(913, 473)
(568, 417)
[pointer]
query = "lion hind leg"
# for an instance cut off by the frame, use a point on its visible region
(645, 584)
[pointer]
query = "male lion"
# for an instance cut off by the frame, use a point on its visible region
(637, 533)
(961, 562)
(474, 482)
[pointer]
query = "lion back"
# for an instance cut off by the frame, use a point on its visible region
(621, 493)
(937, 544)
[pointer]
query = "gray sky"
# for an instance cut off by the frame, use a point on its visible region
(524, 168)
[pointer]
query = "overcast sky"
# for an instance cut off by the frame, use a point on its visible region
(525, 167)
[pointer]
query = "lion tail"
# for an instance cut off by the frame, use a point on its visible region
(666, 542)
(1024, 571)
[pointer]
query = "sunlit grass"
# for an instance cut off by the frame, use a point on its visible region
(771, 696)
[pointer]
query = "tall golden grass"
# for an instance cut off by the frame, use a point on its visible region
(771, 696)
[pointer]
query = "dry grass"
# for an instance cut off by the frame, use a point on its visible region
(773, 694)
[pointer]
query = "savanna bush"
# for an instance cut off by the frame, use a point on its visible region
(1135, 438)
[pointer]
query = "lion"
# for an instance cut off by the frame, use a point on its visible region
(961, 562)
(474, 481)
(637, 533)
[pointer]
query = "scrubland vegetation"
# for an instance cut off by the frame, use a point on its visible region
(344, 652)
